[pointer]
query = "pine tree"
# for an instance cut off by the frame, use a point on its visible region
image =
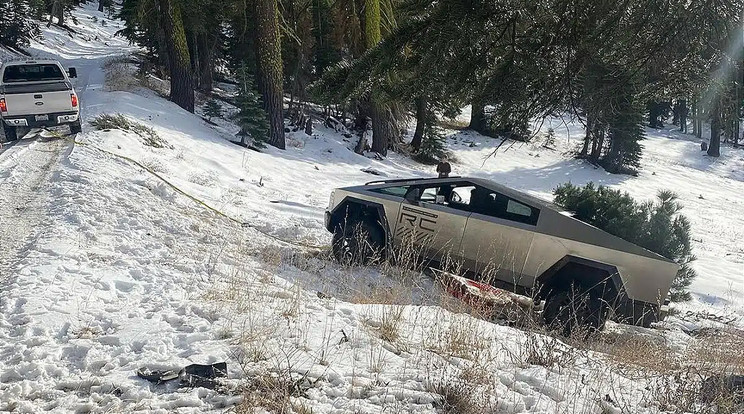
(251, 117)
(212, 109)
(16, 29)
(657, 226)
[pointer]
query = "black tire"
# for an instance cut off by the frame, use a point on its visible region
(358, 243)
(571, 311)
(76, 128)
(11, 134)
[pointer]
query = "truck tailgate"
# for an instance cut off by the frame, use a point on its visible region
(44, 99)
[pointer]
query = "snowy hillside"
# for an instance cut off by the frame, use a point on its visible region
(107, 268)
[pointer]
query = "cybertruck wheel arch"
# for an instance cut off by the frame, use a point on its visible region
(589, 274)
(353, 208)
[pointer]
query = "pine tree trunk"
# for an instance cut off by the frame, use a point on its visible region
(714, 148)
(418, 135)
(378, 112)
(269, 65)
(206, 66)
(478, 116)
(179, 62)
(597, 141)
(60, 12)
(380, 128)
(588, 137)
(100, 5)
(193, 54)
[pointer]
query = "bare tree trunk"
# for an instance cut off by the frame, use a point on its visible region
(269, 65)
(379, 128)
(206, 66)
(714, 148)
(478, 116)
(418, 135)
(193, 54)
(100, 5)
(60, 13)
(588, 136)
(381, 117)
(598, 141)
(179, 62)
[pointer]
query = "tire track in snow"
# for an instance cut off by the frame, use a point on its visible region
(24, 201)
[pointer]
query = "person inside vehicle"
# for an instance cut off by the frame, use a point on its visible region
(443, 168)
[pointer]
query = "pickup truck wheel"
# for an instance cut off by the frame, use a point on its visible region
(357, 242)
(76, 128)
(573, 311)
(10, 133)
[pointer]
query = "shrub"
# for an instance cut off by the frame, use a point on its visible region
(119, 121)
(654, 225)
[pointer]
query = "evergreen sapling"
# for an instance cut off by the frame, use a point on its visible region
(212, 109)
(433, 146)
(251, 117)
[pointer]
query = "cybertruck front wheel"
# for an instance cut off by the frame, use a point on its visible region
(358, 243)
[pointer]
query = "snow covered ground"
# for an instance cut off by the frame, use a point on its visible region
(111, 268)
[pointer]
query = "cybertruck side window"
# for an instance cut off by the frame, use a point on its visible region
(393, 191)
(455, 195)
(490, 203)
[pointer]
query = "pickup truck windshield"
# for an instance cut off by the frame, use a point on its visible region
(33, 73)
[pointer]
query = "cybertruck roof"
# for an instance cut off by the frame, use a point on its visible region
(554, 220)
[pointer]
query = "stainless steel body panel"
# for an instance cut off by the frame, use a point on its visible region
(436, 229)
(516, 252)
(495, 248)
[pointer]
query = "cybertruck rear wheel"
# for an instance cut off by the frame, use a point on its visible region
(574, 311)
(358, 243)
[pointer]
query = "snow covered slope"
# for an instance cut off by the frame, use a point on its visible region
(286, 192)
(117, 269)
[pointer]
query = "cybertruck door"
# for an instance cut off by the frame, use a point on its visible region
(428, 224)
(498, 238)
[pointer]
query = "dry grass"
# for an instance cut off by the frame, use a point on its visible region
(718, 352)
(546, 351)
(386, 321)
(455, 396)
(275, 392)
(464, 343)
(121, 75)
(637, 354)
(462, 337)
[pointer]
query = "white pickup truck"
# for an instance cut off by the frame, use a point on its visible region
(37, 93)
